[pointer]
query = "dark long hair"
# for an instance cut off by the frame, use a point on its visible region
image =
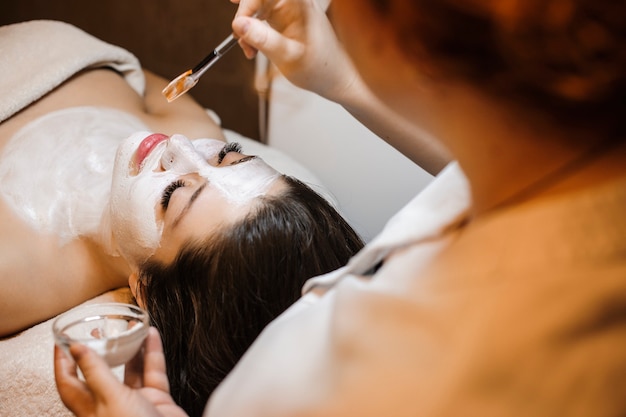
(215, 298)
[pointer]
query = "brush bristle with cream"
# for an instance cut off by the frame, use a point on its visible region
(183, 83)
(179, 86)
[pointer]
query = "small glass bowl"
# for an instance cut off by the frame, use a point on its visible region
(115, 331)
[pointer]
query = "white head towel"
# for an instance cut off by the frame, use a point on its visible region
(38, 55)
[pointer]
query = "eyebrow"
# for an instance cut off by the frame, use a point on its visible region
(185, 209)
(244, 159)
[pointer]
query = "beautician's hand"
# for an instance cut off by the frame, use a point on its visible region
(300, 41)
(103, 395)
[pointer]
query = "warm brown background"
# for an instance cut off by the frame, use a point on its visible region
(169, 37)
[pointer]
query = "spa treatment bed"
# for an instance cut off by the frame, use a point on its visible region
(27, 385)
(303, 136)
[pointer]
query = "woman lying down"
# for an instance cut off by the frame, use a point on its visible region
(104, 184)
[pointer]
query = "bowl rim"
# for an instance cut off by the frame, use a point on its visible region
(135, 312)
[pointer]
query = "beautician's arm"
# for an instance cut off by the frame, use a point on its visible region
(409, 139)
(302, 44)
(102, 395)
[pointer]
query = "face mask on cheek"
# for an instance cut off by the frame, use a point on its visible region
(134, 201)
(135, 226)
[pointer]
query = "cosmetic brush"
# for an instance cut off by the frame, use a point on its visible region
(183, 83)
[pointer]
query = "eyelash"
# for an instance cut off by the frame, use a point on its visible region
(229, 147)
(169, 190)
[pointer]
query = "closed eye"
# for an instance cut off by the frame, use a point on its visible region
(229, 147)
(169, 190)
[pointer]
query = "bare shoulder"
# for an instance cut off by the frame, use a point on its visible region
(40, 276)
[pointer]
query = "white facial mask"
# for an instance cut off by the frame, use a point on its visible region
(136, 196)
(55, 172)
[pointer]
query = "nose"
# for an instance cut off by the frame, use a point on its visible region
(181, 156)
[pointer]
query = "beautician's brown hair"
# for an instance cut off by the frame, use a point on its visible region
(562, 59)
(215, 298)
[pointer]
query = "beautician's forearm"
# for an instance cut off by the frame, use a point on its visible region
(409, 139)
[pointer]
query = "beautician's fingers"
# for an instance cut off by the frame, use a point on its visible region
(155, 375)
(156, 385)
(98, 376)
(112, 398)
(299, 39)
(255, 35)
(251, 7)
(248, 9)
(134, 369)
(103, 395)
(73, 392)
(279, 29)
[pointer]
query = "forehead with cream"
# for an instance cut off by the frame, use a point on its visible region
(239, 182)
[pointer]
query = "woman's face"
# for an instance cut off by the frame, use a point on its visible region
(166, 190)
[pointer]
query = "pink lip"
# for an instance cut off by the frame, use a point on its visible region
(147, 145)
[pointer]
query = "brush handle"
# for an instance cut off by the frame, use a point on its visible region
(212, 58)
(226, 44)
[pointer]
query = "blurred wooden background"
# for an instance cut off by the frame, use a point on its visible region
(168, 37)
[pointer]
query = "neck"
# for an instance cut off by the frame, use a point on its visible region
(510, 159)
(112, 270)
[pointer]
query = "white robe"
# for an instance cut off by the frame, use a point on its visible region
(520, 313)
